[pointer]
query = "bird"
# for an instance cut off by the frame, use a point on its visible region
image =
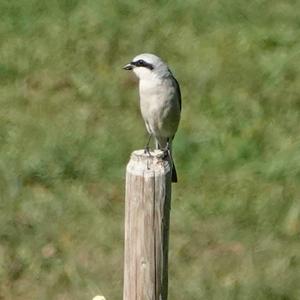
(160, 101)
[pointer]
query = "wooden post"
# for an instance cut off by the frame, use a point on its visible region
(147, 215)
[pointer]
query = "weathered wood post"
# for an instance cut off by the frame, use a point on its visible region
(147, 215)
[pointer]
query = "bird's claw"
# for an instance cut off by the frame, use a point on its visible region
(147, 151)
(166, 153)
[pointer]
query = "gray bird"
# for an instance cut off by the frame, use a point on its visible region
(160, 101)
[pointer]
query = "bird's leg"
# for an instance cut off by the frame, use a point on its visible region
(147, 150)
(157, 146)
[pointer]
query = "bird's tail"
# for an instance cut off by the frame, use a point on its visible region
(174, 173)
(166, 145)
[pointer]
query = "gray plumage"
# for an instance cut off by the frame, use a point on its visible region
(160, 100)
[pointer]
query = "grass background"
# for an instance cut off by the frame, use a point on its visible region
(69, 119)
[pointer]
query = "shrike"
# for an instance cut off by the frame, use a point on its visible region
(160, 101)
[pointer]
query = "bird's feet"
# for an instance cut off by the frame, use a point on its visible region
(147, 150)
(166, 152)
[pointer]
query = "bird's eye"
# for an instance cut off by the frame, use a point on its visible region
(140, 62)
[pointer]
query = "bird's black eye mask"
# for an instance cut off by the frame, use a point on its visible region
(142, 63)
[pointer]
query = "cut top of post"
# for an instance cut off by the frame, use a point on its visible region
(148, 165)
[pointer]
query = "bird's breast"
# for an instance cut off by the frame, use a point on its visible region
(159, 106)
(154, 96)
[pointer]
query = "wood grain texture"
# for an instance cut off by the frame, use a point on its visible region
(147, 215)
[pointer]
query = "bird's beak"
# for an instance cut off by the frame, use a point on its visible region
(128, 67)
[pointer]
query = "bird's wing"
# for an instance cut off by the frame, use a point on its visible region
(178, 89)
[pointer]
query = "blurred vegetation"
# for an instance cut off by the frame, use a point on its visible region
(69, 119)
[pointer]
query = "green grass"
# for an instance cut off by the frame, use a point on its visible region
(69, 119)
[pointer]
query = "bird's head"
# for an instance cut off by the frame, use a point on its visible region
(147, 66)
